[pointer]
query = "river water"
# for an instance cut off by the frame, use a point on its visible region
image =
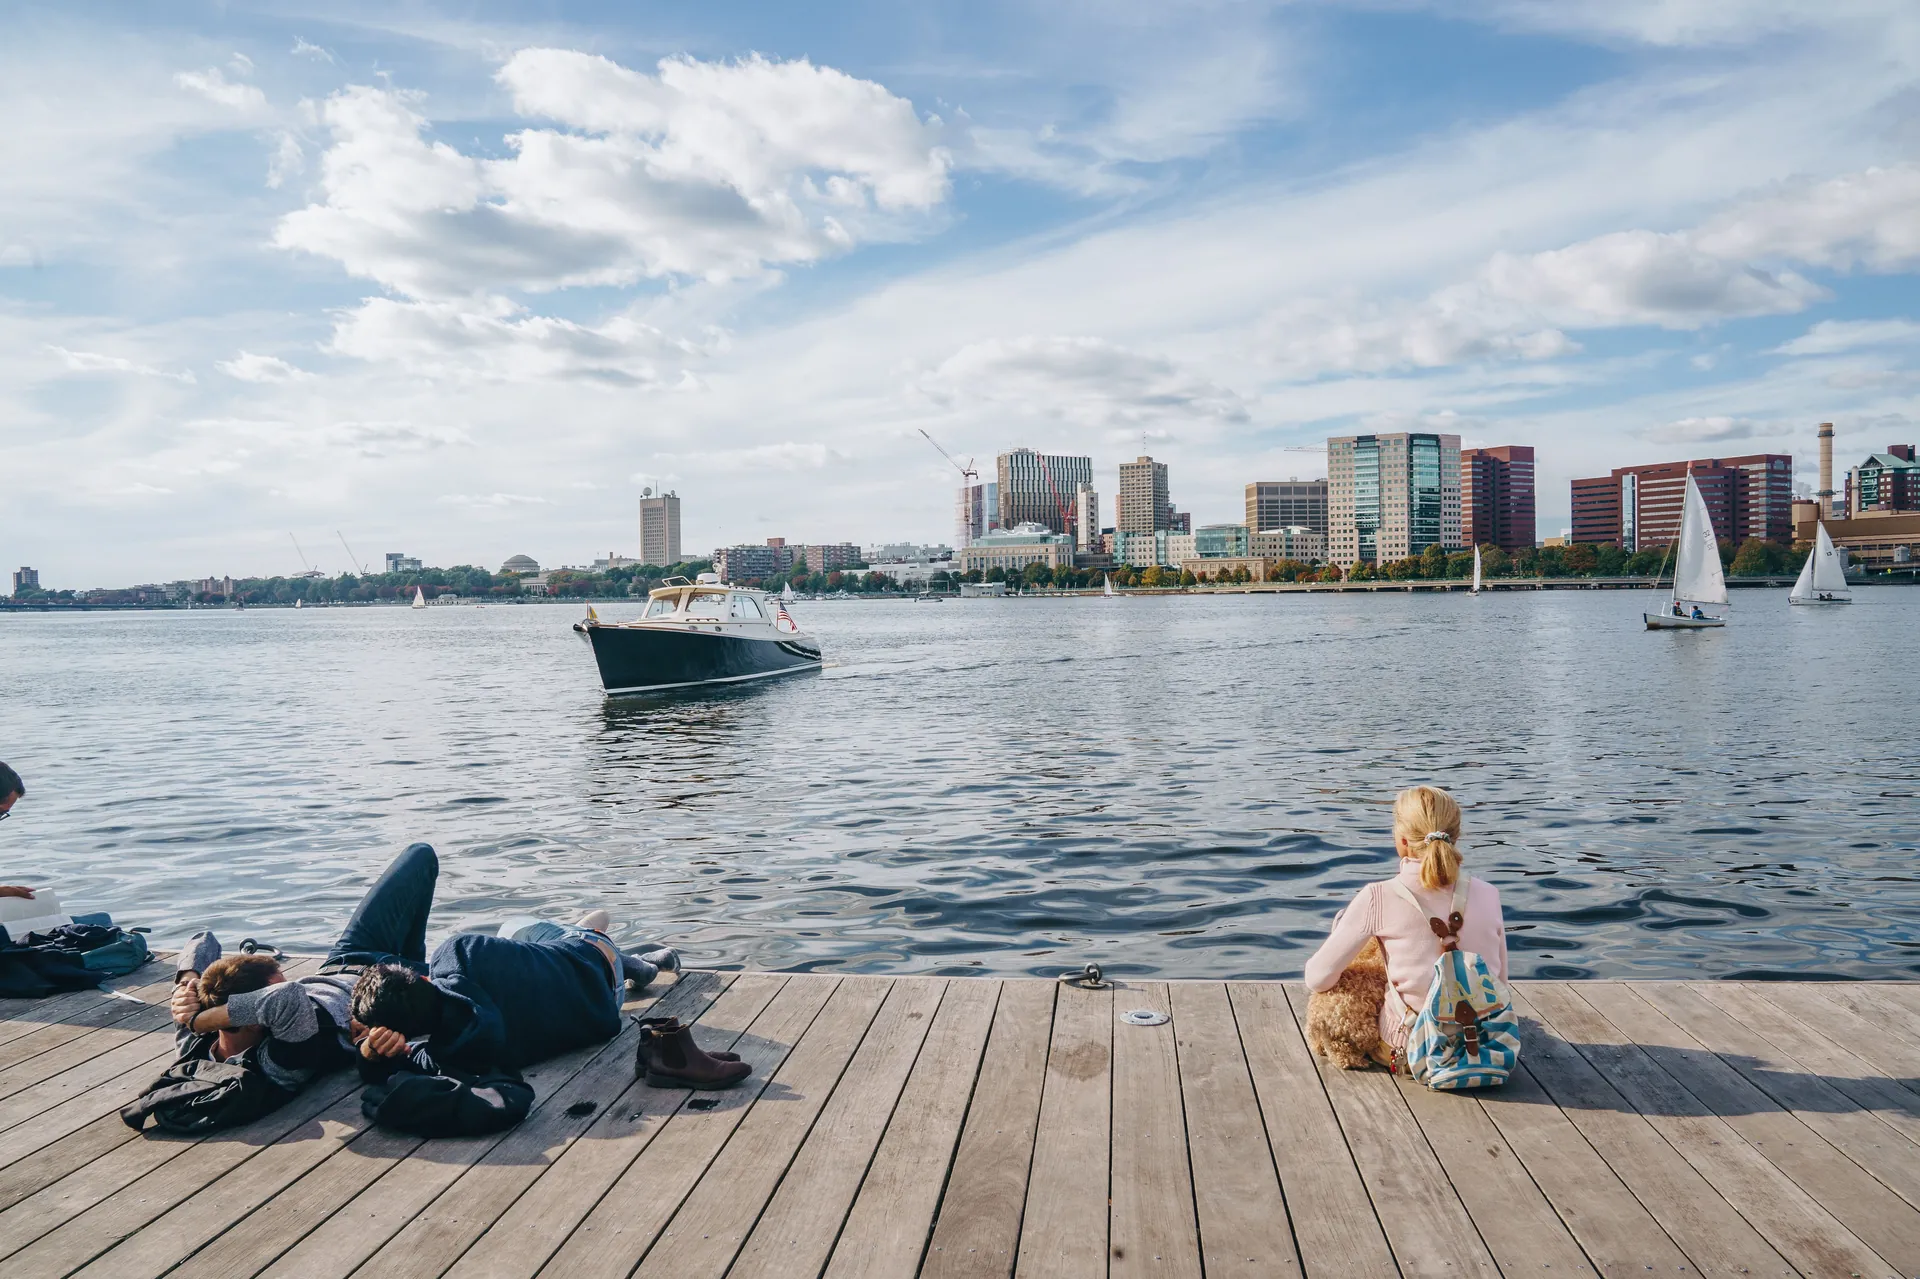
(1179, 786)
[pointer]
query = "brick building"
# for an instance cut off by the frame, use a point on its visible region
(1497, 497)
(1638, 507)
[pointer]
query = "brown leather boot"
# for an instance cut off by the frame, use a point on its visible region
(668, 1057)
(671, 1023)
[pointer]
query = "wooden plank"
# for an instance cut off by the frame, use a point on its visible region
(713, 1223)
(1875, 1005)
(1617, 1234)
(1814, 1050)
(404, 1185)
(629, 1217)
(1892, 1054)
(439, 1233)
(796, 1233)
(1236, 1191)
(1847, 1126)
(1064, 1230)
(1334, 1225)
(1426, 1224)
(20, 1017)
(1797, 1226)
(83, 1082)
(1517, 1224)
(1716, 1239)
(73, 1223)
(527, 1234)
(887, 1230)
(90, 1011)
(977, 1228)
(1152, 1229)
(85, 1047)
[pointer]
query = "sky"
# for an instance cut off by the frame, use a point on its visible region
(461, 280)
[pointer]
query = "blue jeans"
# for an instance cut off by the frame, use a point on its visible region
(389, 926)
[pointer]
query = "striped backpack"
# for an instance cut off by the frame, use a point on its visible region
(1465, 1034)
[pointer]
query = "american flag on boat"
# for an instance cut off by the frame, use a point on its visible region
(782, 617)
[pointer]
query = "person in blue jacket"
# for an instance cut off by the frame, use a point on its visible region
(483, 1002)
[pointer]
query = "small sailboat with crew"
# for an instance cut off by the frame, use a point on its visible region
(1697, 578)
(1107, 590)
(1476, 572)
(699, 632)
(1823, 578)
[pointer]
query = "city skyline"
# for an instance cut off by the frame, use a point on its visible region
(316, 269)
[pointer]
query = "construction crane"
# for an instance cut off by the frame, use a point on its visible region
(966, 472)
(1066, 518)
(351, 557)
(311, 570)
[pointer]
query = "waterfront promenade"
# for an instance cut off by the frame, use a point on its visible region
(979, 1127)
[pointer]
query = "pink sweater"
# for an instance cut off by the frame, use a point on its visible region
(1377, 911)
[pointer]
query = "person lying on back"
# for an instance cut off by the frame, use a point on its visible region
(300, 1026)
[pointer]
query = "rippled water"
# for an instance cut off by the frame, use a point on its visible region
(1177, 786)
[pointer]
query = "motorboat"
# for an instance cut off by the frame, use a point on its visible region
(1823, 578)
(700, 632)
(1697, 579)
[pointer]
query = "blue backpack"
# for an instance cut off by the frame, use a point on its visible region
(1464, 1035)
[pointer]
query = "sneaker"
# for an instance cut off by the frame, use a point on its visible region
(665, 958)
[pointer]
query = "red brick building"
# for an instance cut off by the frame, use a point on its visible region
(1637, 507)
(1497, 497)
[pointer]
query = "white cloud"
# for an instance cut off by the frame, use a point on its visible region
(383, 439)
(1675, 22)
(1080, 379)
(1454, 326)
(705, 170)
(493, 338)
(784, 456)
(1832, 337)
(1703, 430)
(215, 87)
(493, 501)
(305, 49)
(95, 362)
(16, 255)
(1867, 220)
(287, 161)
(249, 367)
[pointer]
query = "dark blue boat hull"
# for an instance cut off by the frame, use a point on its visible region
(635, 660)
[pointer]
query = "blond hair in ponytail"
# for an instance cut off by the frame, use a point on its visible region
(1427, 819)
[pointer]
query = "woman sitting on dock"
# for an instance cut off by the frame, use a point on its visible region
(1426, 831)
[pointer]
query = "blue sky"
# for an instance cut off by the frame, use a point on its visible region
(461, 279)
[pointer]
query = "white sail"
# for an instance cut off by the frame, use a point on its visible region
(1476, 570)
(786, 593)
(1803, 585)
(1108, 588)
(1830, 567)
(1696, 572)
(419, 598)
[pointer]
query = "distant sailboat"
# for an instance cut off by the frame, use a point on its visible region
(1476, 572)
(1107, 589)
(299, 603)
(1697, 578)
(786, 593)
(419, 598)
(1823, 578)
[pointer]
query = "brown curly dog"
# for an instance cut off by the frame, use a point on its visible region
(1343, 1024)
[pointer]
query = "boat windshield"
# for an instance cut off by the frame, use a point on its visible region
(660, 608)
(707, 606)
(747, 609)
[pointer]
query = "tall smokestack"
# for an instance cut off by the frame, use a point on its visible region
(1826, 472)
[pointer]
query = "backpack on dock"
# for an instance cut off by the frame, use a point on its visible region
(1464, 1035)
(200, 1095)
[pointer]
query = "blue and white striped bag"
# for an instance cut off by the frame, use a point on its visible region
(1464, 1035)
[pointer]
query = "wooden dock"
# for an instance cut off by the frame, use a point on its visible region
(972, 1127)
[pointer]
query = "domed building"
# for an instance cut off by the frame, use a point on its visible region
(519, 565)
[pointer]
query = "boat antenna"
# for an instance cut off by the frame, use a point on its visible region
(351, 557)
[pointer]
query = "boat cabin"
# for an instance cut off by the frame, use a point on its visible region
(707, 600)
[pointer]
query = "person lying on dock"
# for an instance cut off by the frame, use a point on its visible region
(482, 1003)
(1426, 831)
(300, 1027)
(11, 789)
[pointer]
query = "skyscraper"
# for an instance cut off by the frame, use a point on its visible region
(976, 514)
(1086, 520)
(1497, 497)
(1038, 488)
(1143, 504)
(1392, 496)
(1272, 504)
(660, 529)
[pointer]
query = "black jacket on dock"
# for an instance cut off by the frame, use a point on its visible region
(510, 1003)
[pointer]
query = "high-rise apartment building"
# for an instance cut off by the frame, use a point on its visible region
(1392, 496)
(977, 513)
(1038, 488)
(26, 579)
(754, 563)
(1274, 504)
(829, 557)
(1143, 504)
(660, 529)
(1638, 507)
(1497, 497)
(1086, 520)
(1884, 483)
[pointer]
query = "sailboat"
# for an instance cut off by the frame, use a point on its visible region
(419, 598)
(786, 593)
(1476, 572)
(1107, 589)
(1697, 578)
(1823, 578)
(299, 603)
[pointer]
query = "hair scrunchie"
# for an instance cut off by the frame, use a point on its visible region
(1440, 835)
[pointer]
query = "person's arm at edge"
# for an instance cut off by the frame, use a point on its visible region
(1352, 929)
